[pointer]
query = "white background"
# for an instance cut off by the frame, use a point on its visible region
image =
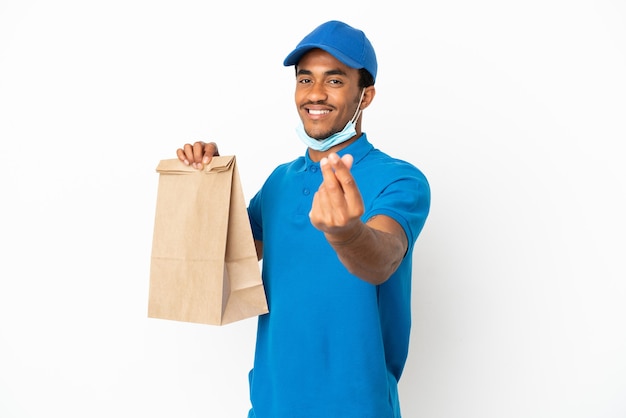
(515, 110)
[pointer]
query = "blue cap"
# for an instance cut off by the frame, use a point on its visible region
(347, 44)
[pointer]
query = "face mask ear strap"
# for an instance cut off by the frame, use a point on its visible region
(358, 111)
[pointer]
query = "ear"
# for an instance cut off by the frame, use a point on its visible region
(368, 96)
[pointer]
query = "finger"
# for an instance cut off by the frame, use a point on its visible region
(198, 152)
(329, 179)
(210, 150)
(341, 169)
(351, 194)
(334, 199)
(181, 156)
(322, 212)
(341, 165)
(186, 153)
(347, 161)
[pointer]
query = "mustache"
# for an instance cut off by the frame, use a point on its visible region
(317, 103)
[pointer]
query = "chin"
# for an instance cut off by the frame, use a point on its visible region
(320, 136)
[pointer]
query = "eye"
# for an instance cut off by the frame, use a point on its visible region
(335, 81)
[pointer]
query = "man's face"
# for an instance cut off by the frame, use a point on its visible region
(327, 93)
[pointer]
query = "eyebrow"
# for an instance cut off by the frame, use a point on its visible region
(326, 73)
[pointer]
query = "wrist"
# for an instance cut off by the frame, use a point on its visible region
(347, 236)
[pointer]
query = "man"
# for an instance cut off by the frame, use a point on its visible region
(335, 229)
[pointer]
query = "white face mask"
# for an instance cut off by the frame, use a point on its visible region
(346, 133)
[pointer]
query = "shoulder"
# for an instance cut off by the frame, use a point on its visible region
(289, 167)
(378, 166)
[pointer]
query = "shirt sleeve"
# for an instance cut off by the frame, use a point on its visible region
(406, 200)
(255, 216)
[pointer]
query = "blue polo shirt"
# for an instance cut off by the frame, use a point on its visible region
(332, 345)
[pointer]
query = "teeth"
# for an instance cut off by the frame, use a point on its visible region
(318, 112)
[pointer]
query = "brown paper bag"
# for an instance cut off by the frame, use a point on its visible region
(204, 267)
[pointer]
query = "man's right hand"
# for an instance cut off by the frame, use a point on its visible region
(197, 155)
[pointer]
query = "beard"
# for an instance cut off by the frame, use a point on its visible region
(322, 135)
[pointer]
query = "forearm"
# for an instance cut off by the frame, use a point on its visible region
(369, 253)
(258, 245)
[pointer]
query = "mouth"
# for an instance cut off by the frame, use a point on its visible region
(317, 112)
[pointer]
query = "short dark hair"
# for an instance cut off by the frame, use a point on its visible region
(365, 78)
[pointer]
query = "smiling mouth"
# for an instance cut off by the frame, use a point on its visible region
(318, 112)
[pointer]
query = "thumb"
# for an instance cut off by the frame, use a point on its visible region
(347, 160)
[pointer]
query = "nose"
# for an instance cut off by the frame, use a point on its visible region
(317, 93)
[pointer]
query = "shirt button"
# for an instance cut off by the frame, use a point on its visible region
(313, 169)
(306, 192)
